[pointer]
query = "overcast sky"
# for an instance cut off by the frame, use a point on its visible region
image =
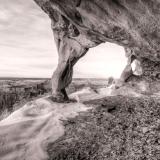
(27, 46)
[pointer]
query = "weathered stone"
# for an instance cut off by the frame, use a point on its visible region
(81, 24)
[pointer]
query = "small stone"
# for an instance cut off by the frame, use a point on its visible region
(145, 130)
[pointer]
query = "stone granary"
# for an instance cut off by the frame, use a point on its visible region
(82, 24)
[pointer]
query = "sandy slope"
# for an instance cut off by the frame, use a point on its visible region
(25, 134)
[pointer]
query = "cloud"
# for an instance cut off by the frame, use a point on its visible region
(27, 46)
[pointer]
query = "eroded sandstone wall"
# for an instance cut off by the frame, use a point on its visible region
(81, 24)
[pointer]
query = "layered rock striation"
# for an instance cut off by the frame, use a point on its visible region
(81, 24)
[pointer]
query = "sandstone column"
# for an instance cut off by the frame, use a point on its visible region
(127, 72)
(69, 52)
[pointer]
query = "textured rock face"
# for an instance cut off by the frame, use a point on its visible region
(81, 24)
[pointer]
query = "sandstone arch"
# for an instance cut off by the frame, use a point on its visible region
(81, 24)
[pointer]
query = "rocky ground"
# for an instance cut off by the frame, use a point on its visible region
(104, 124)
(117, 128)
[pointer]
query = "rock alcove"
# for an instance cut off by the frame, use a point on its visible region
(82, 24)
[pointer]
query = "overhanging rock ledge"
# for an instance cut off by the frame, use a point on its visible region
(81, 24)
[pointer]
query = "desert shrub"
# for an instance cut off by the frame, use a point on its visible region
(15, 95)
